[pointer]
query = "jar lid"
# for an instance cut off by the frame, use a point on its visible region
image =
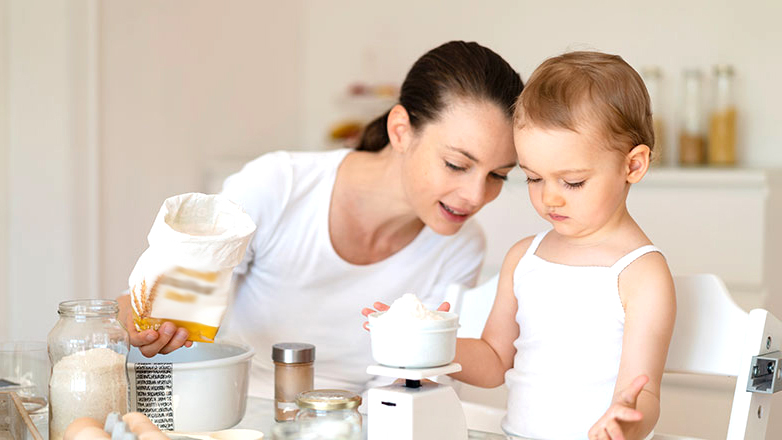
(293, 352)
(89, 307)
(328, 400)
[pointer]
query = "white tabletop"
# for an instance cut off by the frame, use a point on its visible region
(260, 415)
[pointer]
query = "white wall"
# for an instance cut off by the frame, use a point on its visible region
(355, 40)
(47, 168)
(186, 85)
(4, 217)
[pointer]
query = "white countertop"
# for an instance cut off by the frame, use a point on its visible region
(260, 415)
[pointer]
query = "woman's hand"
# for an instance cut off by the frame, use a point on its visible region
(150, 342)
(381, 307)
(621, 414)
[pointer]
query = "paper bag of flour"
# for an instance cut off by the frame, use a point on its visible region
(185, 274)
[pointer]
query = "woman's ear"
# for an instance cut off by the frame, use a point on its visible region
(399, 129)
(638, 163)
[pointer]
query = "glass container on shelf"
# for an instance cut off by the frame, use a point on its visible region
(722, 120)
(652, 76)
(358, 105)
(692, 142)
(88, 349)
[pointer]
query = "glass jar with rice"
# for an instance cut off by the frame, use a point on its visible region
(88, 348)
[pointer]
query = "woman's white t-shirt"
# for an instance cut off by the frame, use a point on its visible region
(293, 287)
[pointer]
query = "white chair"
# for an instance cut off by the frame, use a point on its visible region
(712, 336)
(472, 305)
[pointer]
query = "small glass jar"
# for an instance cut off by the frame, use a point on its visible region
(293, 374)
(88, 350)
(722, 121)
(329, 404)
(692, 140)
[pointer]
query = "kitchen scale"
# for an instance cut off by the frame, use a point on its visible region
(414, 409)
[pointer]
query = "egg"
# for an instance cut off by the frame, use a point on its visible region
(85, 428)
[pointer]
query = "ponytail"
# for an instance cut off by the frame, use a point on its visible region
(375, 135)
(456, 69)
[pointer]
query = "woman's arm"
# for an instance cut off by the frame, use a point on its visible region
(484, 361)
(647, 292)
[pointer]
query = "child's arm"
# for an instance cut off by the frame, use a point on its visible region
(647, 292)
(484, 361)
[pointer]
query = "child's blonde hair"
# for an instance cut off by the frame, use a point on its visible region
(589, 89)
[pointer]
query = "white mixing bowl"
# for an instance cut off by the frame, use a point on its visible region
(413, 343)
(208, 384)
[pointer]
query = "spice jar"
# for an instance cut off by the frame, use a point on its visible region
(88, 348)
(652, 77)
(692, 142)
(722, 121)
(293, 374)
(329, 404)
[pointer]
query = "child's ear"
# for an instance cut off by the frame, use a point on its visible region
(399, 128)
(638, 163)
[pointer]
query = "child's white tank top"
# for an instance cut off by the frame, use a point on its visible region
(571, 323)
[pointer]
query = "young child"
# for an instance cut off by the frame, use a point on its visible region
(584, 312)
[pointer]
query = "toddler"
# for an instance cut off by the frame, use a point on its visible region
(584, 312)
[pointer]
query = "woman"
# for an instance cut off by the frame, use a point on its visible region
(340, 227)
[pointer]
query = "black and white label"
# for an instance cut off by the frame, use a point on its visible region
(153, 387)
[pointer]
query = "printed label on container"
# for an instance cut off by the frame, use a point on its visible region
(153, 386)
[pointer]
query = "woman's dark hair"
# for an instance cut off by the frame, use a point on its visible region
(456, 69)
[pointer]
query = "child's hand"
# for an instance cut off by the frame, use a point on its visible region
(150, 342)
(621, 413)
(366, 311)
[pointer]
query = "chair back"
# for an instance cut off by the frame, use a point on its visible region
(473, 305)
(710, 328)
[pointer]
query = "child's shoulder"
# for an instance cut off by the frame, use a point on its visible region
(647, 275)
(650, 264)
(518, 250)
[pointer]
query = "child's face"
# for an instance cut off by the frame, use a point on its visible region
(576, 182)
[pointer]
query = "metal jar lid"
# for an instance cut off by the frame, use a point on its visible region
(293, 353)
(328, 400)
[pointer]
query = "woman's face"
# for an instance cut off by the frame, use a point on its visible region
(458, 163)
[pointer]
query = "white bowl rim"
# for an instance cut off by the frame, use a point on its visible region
(192, 365)
(447, 316)
(407, 331)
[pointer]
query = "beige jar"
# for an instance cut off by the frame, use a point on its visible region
(722, 120)
(692, 140)
(293, 374)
